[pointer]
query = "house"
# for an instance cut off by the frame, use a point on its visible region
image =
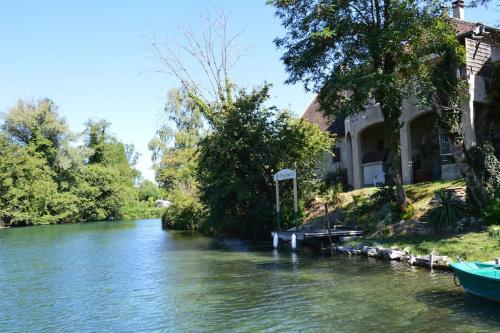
(361, 148)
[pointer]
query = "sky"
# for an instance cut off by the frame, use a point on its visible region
(92, 59)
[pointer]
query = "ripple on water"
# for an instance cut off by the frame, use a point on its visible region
(133, 276)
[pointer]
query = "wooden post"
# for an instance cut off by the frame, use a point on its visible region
(295, 203)
(329, 230)
(278, 205)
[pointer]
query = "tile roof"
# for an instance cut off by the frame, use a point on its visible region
(462, 26)
(314, 115)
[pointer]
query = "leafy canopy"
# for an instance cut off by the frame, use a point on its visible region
(248, 144)
(352, 52)
(46, 178)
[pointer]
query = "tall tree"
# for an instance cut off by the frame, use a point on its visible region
(353, 53)
(239, 157)
(247, 141)
(443, 58)
(174, 146)
(39, 127)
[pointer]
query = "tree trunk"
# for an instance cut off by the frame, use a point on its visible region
(391, 120)
(459, 152)
(395, 165)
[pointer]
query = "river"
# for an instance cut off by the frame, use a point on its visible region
(132, 276)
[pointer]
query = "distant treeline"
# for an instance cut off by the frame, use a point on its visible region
(50, 175)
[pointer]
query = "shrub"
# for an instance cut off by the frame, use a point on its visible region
(487, 166)
(491, 214)
(447, 213)
(140, 210)
(384, 195)
(185, 213)
(494, 231)
(407, 212)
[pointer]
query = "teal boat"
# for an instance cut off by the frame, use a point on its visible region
(480, 279)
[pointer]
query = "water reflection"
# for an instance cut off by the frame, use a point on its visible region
(133, 276)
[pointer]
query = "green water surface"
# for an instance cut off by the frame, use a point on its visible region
(132, 276)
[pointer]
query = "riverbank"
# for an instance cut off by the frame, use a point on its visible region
(470, 246)
(468, 239)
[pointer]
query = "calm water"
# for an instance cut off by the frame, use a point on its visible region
(133, 276)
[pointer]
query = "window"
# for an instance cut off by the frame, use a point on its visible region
(445, 148)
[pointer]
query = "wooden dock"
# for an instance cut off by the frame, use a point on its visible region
(304, 235)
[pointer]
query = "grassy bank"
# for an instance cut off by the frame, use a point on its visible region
(471, 246)
(381, 226)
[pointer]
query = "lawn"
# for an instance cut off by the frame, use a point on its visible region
(482, 246)
(473, 245)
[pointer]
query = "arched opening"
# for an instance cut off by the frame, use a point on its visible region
(374, 147)
(430, 150)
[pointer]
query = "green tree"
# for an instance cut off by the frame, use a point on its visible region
(102, 192)
(442, 57)
(354, 53)
(148, 191)
(39, 127)
(106, 184)
(174, 146)
(248, 144)
(28, 193)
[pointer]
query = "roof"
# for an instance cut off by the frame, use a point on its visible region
(462, 26)
(326, 123)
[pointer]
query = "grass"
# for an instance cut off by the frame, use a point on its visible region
(420, 194)
(472, 246)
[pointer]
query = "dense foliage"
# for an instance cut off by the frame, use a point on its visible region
(491, 213)
(354, 54)
(175, 159)
(447, 213)
(248, 144)
(46, 178)
(221, 180)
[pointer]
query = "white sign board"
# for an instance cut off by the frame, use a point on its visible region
(285, 174)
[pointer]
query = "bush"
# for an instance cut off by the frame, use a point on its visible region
(494, 231)
(487, 167)
(447, 213)
(140, 210)
(491, 214)
(287, 214)
(185, 213)
(384, 195)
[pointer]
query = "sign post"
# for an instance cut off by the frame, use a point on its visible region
(284, 175)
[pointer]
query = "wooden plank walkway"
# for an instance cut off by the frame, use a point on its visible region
(317, 233)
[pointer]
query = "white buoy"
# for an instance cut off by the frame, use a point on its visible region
(275, 240)
(294, 241)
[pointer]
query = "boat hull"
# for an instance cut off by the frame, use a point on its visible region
(483, 281)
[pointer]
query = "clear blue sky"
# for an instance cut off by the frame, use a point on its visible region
(90, 57)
